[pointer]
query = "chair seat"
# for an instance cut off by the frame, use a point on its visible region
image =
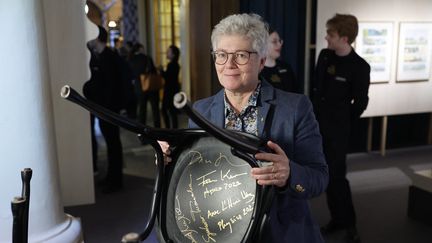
(211, 196)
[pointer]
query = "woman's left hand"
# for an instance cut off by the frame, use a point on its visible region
(276, 174)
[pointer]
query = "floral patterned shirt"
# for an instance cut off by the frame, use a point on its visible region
(246, 121)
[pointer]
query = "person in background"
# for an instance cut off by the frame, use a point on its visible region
(128, 77)
(277, 72)
(138, 63)
(340, 95)
(121, 49)
(286, 120)
(172, 86)
(129, 46)
(142, 64)
(105, 88)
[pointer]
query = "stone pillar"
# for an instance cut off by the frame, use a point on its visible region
(27, 125)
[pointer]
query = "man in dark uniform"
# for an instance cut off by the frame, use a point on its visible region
(105, 88)
(340, 94)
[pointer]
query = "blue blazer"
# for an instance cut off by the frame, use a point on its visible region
(287, 119)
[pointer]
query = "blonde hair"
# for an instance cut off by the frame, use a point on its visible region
(344, 25)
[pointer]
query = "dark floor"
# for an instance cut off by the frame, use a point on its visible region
(379, 184)
(381, 196)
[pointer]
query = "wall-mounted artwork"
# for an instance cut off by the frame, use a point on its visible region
(415, 52)
(374, 43)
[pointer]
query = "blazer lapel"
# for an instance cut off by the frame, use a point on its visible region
(217, 115)
(266, 100)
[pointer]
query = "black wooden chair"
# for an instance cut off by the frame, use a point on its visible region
(209, 196)
(206, 193)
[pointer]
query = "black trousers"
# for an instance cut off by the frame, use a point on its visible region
(169, 111)
(111, 134)
(153, 98)
(339, 198)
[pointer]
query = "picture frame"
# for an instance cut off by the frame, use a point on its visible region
(414, 52)
(374, 43)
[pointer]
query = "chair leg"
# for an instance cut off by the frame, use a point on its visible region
(26, 175)
(20, 209)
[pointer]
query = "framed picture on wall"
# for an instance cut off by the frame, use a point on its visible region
(374, 43)
(415, 52)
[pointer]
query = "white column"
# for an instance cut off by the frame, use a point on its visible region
(67, 32)
(27, 126)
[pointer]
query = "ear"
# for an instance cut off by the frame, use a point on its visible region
(262, 62)
(345, 39)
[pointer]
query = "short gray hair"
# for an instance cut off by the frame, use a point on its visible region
(252, 26)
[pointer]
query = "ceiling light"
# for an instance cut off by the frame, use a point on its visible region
(112, 24)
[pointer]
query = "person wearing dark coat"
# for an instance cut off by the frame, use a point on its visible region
(105, 88)
(142, 65)
(171, 87)
(298, 171)
(340, 95)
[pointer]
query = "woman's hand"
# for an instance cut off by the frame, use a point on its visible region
(276, 174)
(166, 151)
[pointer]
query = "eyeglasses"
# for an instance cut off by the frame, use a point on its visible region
(240, 57)
(279, 41)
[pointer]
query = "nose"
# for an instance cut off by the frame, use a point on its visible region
(231, 61)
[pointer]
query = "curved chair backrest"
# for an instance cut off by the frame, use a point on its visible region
(210, 196)
(206, 194)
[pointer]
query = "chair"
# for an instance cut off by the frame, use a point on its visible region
(210, 196)
(206, 193)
